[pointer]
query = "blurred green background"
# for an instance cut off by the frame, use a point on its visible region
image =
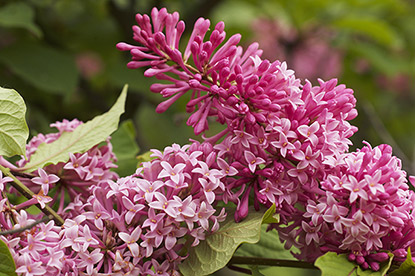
(60, 56)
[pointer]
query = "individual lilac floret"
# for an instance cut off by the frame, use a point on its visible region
(364, 207)
(135, 224)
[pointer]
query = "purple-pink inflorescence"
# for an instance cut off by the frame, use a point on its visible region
(137, 224)
(284, 143)
(287, 141)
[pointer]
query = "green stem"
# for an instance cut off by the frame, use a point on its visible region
(26, 192)
(269, 262)
(27, 227)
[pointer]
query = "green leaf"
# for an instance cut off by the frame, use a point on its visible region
(145, 157)
(255, 271)
(407, 268)
(269, 246)
(125, 148)
(217, 249)
(19, 15)
(381, 59)
(50, 70)
(13, 127)
(270, 216)
(7, 265)
(332, 264)
(81, 139)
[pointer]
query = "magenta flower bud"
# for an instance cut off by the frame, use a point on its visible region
(375, 266)
(160, 38)
(395, 221)
(263, 66)
(211, 158)
(207, 148)
(232, 100)
(242, 209)
(351, 257)
(237, 165)
(379, 257)
(250, 118)
(391, 189)
(400, 253)
(360, 260)
(243, 108)
(274, 107)
(224, 72)
(250, 93)
(383, 213)
(246, 172)
(223, 93)
(364, 265)
(383, 196)
(260, 117)
(267, 172)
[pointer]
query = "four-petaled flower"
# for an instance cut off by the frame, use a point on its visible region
(131, 240)
(44, 179)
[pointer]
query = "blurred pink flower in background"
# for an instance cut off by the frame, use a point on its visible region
(309, 53)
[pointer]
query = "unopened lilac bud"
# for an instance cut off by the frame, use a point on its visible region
(260, 117)
(374, 266)
(379, 257)
(351, 257)
(237, 165)
(391, 189)
(243, 108)
(242, 209)
(207, 148)
(267, 172)
(364, 265)
(400, 253)
(250, 118)
(263, 66)
(246, 172)
(360, 260)
(211, 158)
(395, 221)
(383, 213)
(232, 100)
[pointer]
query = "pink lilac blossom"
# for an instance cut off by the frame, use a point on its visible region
(286, 140)
(362, 210)
(284, 143)
(140, 226)
(72, 178)
(308, 49)
(275, 126)
(135, 224)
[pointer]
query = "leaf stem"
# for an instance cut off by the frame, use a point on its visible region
(269, 262)
(19, 230)
(26, 192)
(240, 269)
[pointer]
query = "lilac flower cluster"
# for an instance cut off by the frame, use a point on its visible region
(363, 206)
(141, 224)
(287, 141)
(72, 178)
(278, 131)
(149, 220)
(283, 143)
